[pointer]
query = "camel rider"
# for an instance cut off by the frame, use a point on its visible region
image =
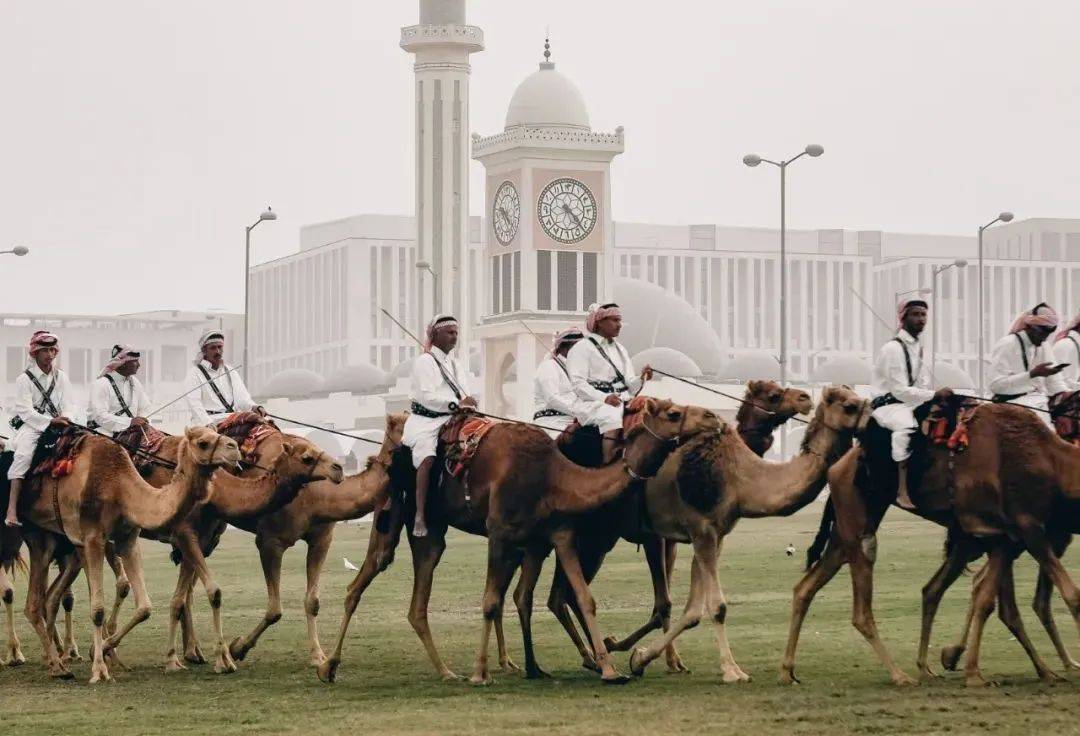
(553, 391)
(217, 389)
(1022, 368)
(117, 398)
(439, 386)
(1067, 350)
(43, 399)
(603, 376)
(901, 383)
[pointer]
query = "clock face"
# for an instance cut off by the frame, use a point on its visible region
(505, 213)
(566, 210)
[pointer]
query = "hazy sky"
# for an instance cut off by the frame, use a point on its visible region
(137, 139)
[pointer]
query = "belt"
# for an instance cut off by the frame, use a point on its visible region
(607, 387)
(1002, 398)
(215, 411)
(423, 411)
(884, 400)
(548, 413)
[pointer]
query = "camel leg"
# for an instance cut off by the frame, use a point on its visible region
(179, 602)
(41, 554)
(691, 616)
(982, 605)
(559, 605)
(816, 578)
(861, 560)
(317, 550)
(503, 562)
(1041, 605)
(950, 655)
(189, 547)
(567, 554)
(59, 593)
(13, 656)
(123, 588)
(531, 568)
(716, 606)
(93, 556)
(426, 553)
(1010, 616)
(951, 569)
(1039, 546)
(505, 663)
(189, 635)
(131, 554)
(379, 555)
(270, 555)
(662, 603)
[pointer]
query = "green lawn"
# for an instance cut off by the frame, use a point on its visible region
(385, 684)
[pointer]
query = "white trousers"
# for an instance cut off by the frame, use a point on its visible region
(600, 415)
(554, 426)
(900, 420)
(1037, 401)
(23, 444)
(421, 435)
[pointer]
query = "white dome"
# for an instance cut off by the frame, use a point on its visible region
(293, 383)
(668, 360)
(947, 375)
(360, 378)
(842, 369)
(403, 369)
(755, 366)
(547, 99)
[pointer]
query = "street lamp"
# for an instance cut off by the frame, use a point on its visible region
(436, 302)
(19, 250)
(936, 270)
(752, 160)
(269, 214)
(1003, 217)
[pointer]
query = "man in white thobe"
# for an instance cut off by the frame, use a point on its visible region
(118, 399)
(1022, 368)
(439, 388)
(222, 390)
(1067, 350)
(901, 383)
(603, 376)
(43, 399)
(553, 391)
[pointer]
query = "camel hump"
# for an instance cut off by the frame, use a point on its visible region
(700, 487)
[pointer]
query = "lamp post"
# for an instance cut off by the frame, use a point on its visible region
(1003, 217)
(752, 160)
(18, 250)
(959, 263)
(269, 214)
(436, 302)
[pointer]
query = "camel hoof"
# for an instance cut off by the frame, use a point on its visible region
(675, 666)
(508, 666)
(612, 644)
(316, 659)
(977, 680)
(736, 675)
(327, 671)
(195, 656)
(637, 662)
(237, 649)
(903, 679)
(616, 678)
(787, 677)
(929, 673)
(173, 663)
(536, 674)
(590, 664)
(950, 656)
(100, 674)
(15, 658)
(449, 676)
(482, 680)
(1071, 664)
(60, 672)
(72, 655)
(224, 664)
(1049, 677)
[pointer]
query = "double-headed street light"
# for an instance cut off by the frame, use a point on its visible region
(269, 214)
(1003, 217)
(935, 272)
(19, 250)
(752, 160)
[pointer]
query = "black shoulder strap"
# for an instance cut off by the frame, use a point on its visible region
(124, 408)
(562, 364)
(1023, 351)
(618, 374)
(46, 394)
(214, 388)
(446, 377)
(907, 361)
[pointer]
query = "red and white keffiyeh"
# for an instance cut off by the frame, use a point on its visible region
(42, 339)
(1043, 315)
(599, 312)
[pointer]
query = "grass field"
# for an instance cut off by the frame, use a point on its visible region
(385, 684)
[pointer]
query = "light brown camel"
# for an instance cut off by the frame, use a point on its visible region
(449, 505)
(766, 406)
(1016, 479)
(104, 499)
(312, 516)
(12, 655)
(706, 487)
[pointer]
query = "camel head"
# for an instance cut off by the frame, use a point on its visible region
(301, 458)
(663, 425)
(783, 402)
(395, 427)
(209, 448)
(843, 410)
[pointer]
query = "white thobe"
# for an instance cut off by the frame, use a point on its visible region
(1010, 375)
(204, 405)
(105, 410)
(552, 391)
(31, 409)
(890, 376)
(431, 391)
(585, 363)
(1067, 350)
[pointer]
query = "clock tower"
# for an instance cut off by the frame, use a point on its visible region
(547, 230)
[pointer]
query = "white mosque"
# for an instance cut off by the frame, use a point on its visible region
(700, 300)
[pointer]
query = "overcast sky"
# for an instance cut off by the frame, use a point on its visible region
(138, 139)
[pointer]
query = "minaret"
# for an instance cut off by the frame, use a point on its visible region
(441, 44)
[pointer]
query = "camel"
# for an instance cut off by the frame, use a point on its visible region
(706, 487)
(766, 406)
(1017, 479)
(12, 654)
(104, 499)
(312, 516)
(453, 506)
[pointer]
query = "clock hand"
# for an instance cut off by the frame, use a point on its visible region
(567, 210)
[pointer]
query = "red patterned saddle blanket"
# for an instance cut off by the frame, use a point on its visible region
(462, 440)
(248, 429)
(56, 453)
(947, 423)
(142, 444)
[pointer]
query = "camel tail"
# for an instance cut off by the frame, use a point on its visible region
(817, 548)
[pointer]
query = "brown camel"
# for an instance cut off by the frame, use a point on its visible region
(766, 406)
(104, 499)
(705, 488)
(312, 516)
(1016, 479)
(449, 505)
(12, 655)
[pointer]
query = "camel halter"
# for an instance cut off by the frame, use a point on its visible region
(676, 441)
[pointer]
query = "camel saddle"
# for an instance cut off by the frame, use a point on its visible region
(946, 422)
(248, 429)
(584, 445)
(141, 443)
(1065, 414)
(56, 452)
(461, 437)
